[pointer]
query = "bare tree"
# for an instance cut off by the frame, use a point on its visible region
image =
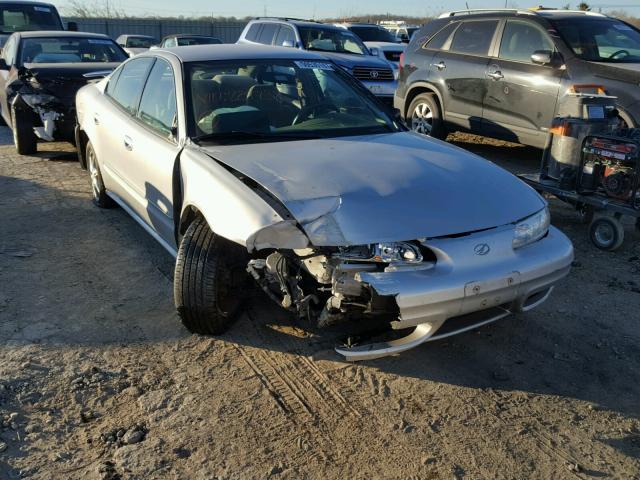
(584, 6)
(93, 9)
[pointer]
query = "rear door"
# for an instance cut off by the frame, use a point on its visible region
(521, 96)
(460, 68)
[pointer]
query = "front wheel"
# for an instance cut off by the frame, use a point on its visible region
(425, 116)
(209, 280)
(24, 137)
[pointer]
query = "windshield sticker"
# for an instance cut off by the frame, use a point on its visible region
(314, 65)
(621, 26)
(99, 41)
(42, 9)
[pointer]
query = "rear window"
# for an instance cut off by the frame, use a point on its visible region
(373, 34)
(474, 38)
(25, 17)
(138, 42)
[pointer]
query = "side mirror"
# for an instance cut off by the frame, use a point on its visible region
(287, 43)
(546, 57)
(72, 26)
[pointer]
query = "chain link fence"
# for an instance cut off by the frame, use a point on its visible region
(228, 32)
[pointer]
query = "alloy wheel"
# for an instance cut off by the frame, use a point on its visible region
(422, 119)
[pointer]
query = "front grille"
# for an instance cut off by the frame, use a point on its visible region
(373, 74)
(393, 56)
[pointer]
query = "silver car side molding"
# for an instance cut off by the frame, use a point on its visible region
(425, 332)
(143, 224)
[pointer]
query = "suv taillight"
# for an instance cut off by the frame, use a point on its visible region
(401, 61)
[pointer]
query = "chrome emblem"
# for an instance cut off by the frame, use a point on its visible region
(373, 74)
(481, 249)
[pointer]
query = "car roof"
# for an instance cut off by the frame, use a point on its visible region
(23, 2)
(188, 35)
(60, 33)
(297, 22)
(135, 35)
(529, 13)
(230, 51)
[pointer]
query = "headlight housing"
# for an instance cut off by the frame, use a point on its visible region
(375, 51)
(37, 99)
(391, 252)
(532, 228)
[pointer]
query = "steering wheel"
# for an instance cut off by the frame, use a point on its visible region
(615, 54)
(316, 109)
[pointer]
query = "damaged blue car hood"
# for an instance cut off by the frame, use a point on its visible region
(379, 188)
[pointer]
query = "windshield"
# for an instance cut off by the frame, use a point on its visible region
(280, 99)
(601, 39)
(186, 41)
(331, 40)
(69, 50)
(140, 42)
(373, 34)
(24, 17)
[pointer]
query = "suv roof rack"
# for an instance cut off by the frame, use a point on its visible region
(471, 11)
(287, 19)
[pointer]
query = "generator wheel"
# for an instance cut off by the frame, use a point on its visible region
(606, 233)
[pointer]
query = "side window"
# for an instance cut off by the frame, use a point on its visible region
(474, 38)
(252, 34)
(158, 104)
(286, 35)
(439, 40)
(521, 39)
(267, 33)
(170, 42)
(130, 83)
(111, 83)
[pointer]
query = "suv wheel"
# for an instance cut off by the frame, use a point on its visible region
(99, 193)
(425, 116)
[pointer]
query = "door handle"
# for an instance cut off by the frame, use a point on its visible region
(440, 66)
(497, 75)
(128, 144)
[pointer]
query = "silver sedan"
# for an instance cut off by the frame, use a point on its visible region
(274, 166)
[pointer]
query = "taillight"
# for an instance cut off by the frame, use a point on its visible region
(401, 61)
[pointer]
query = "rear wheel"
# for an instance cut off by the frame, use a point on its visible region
(99, 193)
(425, 116)
(24, 137)
(209, 280)
(606, 233)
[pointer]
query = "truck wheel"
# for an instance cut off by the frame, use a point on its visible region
(24, 137)
(209, 280)
(425, 116)
(606, 233)
(99, 193)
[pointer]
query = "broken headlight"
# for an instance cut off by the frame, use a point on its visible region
(37, 99)
(395, 252)
(532, 228)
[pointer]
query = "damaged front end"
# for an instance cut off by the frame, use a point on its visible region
(46, 101)
(325, 286)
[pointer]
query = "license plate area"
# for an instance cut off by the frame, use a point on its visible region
(375, 88)
(491, 293)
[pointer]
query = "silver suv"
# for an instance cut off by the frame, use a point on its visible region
(338, 44)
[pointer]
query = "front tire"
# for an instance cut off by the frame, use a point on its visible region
(209, 280)
(425, 116)
(98, 192)
(24, 137)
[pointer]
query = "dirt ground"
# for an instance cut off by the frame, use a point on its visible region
(98, 379)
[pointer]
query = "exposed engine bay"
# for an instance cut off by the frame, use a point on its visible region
(611, 167)
(324, 285)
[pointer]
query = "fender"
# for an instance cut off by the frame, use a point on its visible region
(232, 209)
(420, 84)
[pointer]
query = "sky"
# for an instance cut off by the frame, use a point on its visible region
(331, 8)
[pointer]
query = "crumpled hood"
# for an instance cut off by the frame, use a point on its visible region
(377, 188)
(351, 60)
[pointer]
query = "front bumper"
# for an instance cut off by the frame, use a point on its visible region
(53, 121)
(465, 290)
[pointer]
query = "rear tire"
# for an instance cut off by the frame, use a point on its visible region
(98, 192)
(606, 233)
(24, 137)
(209, 280)
(425, 116)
